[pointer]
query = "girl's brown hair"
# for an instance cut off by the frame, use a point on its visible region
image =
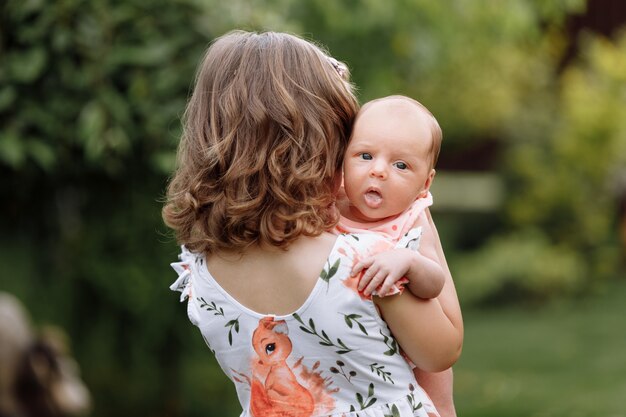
(264, 134)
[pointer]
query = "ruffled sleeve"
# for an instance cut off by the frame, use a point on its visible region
(185, 268)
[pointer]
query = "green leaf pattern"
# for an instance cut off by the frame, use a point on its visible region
(340, 346)
(329, 271)
(411, 399)
(391, 344)
(381, 372)
(393, 410)
(232, 324)
(368, 401)
(350, 319)
(219, 311)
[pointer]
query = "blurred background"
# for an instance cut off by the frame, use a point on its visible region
(530, 195)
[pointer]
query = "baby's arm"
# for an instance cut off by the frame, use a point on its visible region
(423, 269)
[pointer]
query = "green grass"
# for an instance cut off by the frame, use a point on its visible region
(567, 359)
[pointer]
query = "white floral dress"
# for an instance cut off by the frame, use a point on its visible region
(333, 356)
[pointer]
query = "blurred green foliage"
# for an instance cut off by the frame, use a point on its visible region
(564, 160)
(90, 98)
(95, 84)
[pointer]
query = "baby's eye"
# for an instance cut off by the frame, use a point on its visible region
(366, 156)
(400, 165)
(269, 349)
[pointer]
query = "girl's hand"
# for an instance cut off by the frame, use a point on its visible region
(383, 269)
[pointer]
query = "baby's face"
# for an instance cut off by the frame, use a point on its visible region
(387, 163)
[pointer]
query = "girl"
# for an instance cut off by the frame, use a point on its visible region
(270, 290)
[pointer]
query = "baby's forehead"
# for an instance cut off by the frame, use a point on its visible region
(395, 105)
(396, 116)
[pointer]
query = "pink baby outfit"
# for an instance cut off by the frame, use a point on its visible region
(394, 229)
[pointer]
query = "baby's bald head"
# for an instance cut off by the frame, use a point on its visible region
(413, 112)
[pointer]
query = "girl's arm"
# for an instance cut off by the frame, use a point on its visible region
(423, 330)
(439, 386)
(448, 297)
(429, 331)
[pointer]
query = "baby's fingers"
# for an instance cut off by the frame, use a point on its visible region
(375, 282)
(388, 284)
(365, 263)
(367, 276)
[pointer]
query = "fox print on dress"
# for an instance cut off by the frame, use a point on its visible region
(275, 388)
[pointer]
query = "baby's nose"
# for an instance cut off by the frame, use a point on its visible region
(378, 170)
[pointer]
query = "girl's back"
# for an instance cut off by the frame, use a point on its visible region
(329, 353)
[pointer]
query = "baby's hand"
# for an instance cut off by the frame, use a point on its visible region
(384, 268)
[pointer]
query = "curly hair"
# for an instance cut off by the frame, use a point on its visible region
(264, 134)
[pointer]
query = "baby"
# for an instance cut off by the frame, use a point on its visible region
(388, 171)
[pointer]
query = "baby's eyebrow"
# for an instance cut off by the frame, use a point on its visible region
(405, 157)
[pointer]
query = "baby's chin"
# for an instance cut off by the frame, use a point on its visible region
(352, 212)
(367, 216)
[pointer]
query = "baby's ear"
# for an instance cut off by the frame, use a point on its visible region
(428, 183)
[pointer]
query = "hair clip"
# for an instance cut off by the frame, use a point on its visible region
(338, 66)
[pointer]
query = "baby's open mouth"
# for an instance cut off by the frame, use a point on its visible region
(373, 198)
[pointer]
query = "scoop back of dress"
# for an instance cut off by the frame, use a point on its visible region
(333, 356)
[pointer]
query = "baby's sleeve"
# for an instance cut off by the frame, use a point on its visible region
(411, 239)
